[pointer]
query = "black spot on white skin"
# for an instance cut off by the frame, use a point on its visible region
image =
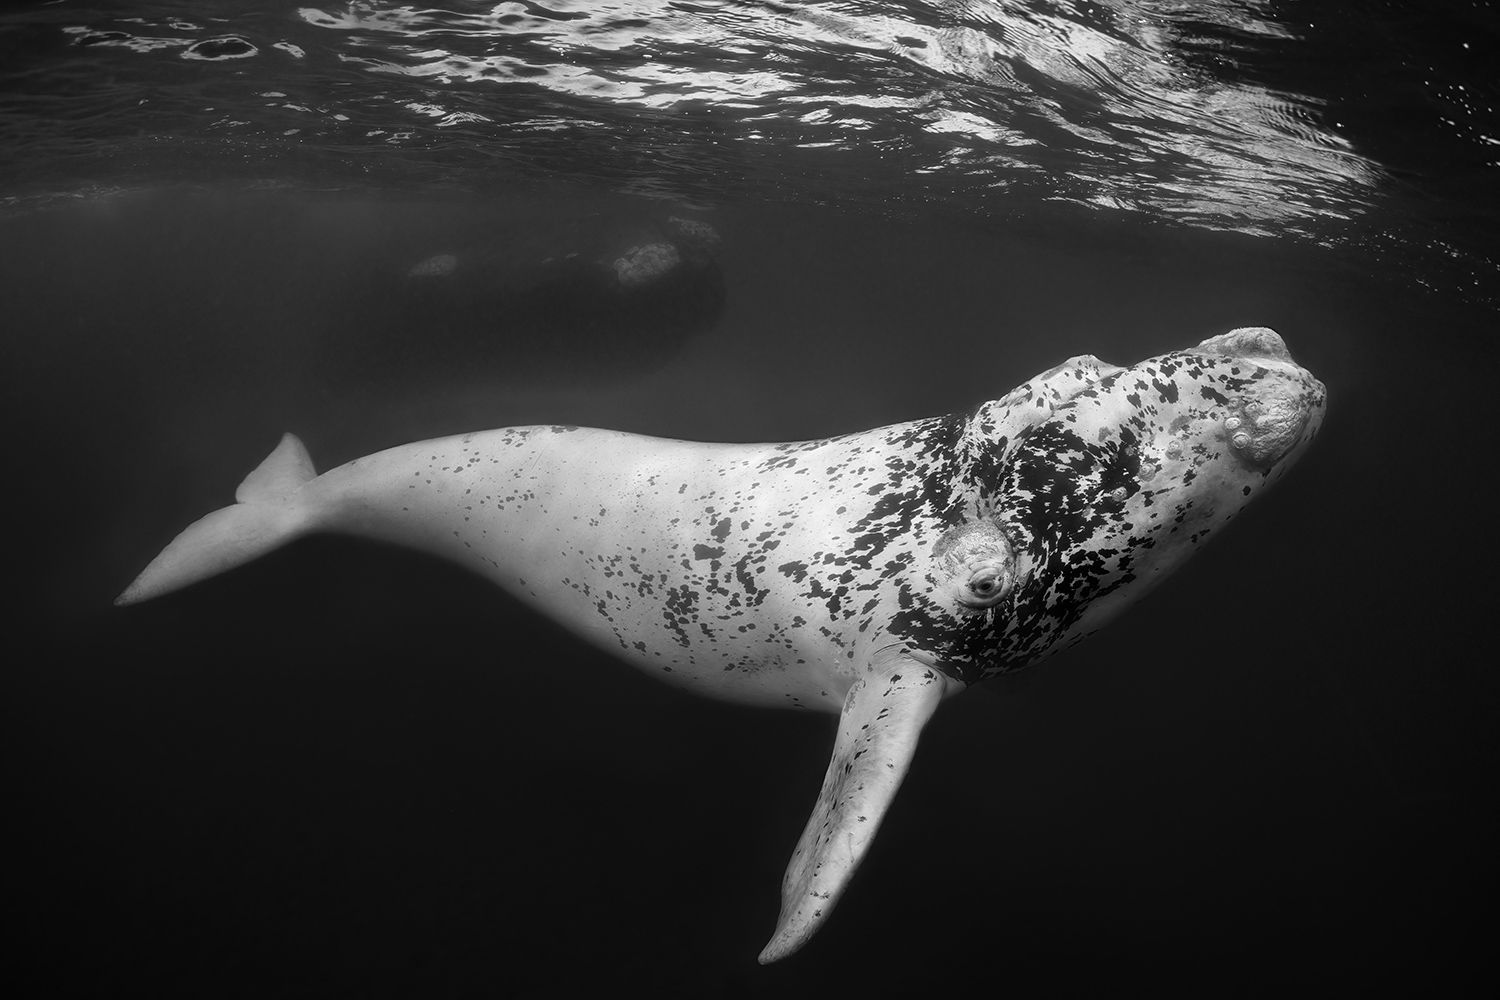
(1074, 503)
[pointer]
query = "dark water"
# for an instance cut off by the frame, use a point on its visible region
(348, 770)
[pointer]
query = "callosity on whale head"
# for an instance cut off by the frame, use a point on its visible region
(1082, 510)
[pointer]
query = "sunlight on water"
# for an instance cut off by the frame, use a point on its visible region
(1147, 131)
(1159, 110)
(1100, 105)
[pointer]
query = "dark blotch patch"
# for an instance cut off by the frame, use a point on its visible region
(226, 47)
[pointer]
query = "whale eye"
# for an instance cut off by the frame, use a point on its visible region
(975, 567)
(987, 584)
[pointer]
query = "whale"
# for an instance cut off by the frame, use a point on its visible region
(870, 575)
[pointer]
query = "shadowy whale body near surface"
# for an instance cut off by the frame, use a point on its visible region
(871, 574)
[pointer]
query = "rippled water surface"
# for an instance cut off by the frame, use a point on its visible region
(1241, 115)
(351, 770)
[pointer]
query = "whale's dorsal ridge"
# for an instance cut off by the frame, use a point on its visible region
(882, 718)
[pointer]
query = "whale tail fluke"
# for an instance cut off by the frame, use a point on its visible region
(265, 516)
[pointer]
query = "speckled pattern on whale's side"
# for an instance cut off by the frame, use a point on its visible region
(719, 565)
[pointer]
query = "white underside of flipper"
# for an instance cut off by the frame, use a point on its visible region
(882, 718)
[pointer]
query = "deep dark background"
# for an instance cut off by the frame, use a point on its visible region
(351, 770)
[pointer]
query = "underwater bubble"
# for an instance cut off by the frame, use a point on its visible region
(437, 266)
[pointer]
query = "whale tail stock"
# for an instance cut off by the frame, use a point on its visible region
(266, 515)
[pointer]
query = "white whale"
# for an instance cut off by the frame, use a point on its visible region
(871, 574)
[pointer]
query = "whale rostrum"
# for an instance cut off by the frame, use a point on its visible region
(871, 574)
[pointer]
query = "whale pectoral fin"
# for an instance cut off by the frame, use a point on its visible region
(883, 715)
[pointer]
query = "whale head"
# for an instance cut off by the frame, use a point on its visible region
(1109, 488)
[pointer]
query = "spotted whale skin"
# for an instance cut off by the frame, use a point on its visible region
(871, 574)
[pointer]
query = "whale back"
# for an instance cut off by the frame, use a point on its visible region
(758, 573)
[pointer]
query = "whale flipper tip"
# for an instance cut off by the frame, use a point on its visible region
(883, 716)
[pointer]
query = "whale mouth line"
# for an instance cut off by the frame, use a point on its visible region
(925, 658)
